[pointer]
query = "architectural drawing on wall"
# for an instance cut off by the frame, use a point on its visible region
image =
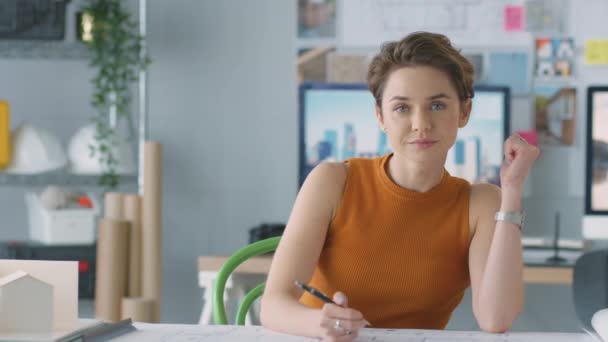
(368, 23)
(546, 16)
(430, 15)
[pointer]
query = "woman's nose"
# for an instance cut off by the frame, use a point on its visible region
(421, 121)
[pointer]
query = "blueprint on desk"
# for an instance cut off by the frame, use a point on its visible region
(202, 333)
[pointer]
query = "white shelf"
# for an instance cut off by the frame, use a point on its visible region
(71, 49)
(58, 178)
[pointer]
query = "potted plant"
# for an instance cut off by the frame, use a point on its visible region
(115, 46)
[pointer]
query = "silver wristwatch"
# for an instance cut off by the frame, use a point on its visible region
(517, 218)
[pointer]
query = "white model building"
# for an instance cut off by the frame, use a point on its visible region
(26, 304)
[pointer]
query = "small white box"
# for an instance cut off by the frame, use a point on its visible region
(59, 227)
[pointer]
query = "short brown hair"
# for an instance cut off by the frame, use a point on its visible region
(421, 48)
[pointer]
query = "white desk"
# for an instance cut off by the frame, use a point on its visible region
(202, 333)
(254, 271)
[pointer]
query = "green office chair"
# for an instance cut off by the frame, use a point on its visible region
(217, 308)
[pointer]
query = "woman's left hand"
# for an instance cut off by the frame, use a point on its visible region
(519, 158)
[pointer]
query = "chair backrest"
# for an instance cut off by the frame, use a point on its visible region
(218, 310)
(590, 286)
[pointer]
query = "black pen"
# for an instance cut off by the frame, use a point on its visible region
(319, 295)
(314, 292)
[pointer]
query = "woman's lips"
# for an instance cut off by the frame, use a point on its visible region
(423, 143)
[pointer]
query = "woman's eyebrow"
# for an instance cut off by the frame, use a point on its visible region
(434, 97)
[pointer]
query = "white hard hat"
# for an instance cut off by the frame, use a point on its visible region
(82, 162)
(35, 150)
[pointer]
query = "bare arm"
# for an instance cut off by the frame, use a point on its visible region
(495, 260)
(298, 253)
(495, 254)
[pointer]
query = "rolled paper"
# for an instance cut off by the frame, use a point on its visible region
(139, 309)
(113, 203)
(111, 273)
(132, 207)
(132, 213)
(151, 228)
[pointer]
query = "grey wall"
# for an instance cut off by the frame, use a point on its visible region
(223, 104)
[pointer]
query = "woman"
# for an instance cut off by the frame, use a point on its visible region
(397, 235)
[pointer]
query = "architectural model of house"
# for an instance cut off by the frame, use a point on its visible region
(26, 304)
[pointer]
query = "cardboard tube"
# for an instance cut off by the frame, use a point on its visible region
(135, 271)
(151, 229)
(139, 309)
(114, 206)
(132, 213)
(132, 207)
(111, 274)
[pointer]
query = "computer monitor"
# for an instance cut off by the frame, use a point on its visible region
(595, 221)
(337, 122)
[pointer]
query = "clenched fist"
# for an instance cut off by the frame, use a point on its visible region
(519, 158)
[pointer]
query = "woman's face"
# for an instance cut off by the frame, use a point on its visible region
(421, 113)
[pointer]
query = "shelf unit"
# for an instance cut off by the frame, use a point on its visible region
(75, 50)
(57, 178)
(31, 49)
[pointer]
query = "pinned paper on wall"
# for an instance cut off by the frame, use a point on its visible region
(596, 51)
(554, 57)
(510, 69)
(514, 18)
(555, 115)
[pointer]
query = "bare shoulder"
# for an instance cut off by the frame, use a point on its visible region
(484, 191)
(331, 169)
(327, 181)
(484, 201)
(332, 174)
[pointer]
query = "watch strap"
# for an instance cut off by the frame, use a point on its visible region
(516, 218)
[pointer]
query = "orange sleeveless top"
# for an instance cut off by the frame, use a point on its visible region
(400, 256)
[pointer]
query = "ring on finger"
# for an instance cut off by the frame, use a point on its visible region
(338, 326)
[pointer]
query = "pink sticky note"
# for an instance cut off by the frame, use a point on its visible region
(514, 18)
(530, 136)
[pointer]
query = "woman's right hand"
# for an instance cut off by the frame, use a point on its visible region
(339, 322)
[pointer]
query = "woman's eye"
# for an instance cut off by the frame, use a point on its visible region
(437, 106)
(401, 109)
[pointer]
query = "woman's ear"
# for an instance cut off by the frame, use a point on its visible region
(380, 117)
(465, 113)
